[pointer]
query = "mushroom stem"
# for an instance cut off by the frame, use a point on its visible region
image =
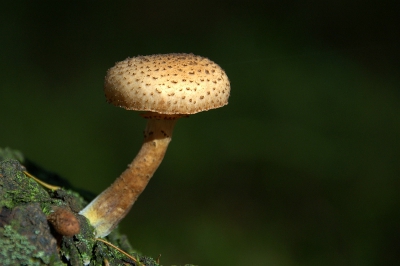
(108, 208)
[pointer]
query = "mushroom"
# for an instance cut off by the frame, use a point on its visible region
(167, 87)
(64, 222)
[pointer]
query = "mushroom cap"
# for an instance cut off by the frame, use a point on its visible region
(167, 84)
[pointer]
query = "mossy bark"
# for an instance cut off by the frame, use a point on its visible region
(27, 238)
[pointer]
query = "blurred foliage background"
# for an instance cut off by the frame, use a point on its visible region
(302, 166)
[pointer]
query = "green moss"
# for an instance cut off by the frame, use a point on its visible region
(15, 248)
(80, 247)
(30, 228)
(68, 197)
(25, 235)
(17, 188)
(18, 250)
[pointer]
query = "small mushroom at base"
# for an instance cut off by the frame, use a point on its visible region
(64, 222)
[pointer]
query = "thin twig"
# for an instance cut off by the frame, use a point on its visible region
(120, 250)
(51, 187)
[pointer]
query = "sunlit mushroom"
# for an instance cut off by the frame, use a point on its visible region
(167, 87)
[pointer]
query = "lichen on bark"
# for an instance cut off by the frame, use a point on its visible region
(26, 238)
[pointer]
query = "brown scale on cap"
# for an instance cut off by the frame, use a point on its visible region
(167, 87)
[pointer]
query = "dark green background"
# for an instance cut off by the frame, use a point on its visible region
(302, 166)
